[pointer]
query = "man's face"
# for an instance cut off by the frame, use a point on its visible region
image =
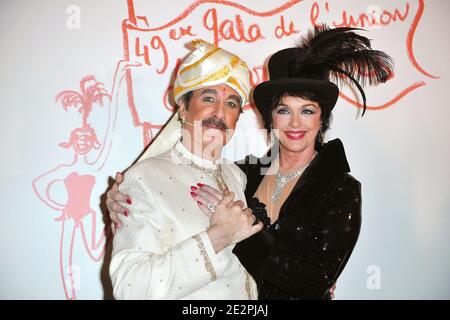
(214, 112)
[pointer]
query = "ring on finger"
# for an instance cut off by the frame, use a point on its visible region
(211, 207)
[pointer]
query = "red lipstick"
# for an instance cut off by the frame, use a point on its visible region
(295, 135)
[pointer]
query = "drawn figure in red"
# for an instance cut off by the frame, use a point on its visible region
(75, 181)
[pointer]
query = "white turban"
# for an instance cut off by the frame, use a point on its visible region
(209, 66)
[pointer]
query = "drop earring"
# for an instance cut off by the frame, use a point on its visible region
(272, 137)
(320, 135)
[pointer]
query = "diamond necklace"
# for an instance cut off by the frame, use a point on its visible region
(281, 179)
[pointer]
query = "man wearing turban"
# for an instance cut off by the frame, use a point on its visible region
(170, 247)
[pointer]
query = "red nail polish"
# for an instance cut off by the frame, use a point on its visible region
(199, 203)
(193, 194)
(200, 185)
(193, 188)
(125, 213)
(128, 200)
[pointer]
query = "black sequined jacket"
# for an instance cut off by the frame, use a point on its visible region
(303, 253)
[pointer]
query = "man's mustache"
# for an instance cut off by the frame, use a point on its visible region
(215, 123)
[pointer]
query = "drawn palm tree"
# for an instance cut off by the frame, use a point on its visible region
(91, 91)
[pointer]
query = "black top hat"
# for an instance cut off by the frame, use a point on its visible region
(322, 55)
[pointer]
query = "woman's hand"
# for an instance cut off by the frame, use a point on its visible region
(331, 290)
(208, 195)
(113, 202)
(229, 221)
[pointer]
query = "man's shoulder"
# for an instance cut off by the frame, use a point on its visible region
(235, 169)
(153, 165)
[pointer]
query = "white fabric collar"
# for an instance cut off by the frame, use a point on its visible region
(183, 152)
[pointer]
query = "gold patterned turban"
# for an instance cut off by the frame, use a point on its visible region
(208, 66)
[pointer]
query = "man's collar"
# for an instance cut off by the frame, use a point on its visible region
(183, 152)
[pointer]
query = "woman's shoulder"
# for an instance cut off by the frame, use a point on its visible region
(344, 197)
(343, 186)
(348, 181)
(252, 162)
(249, 159)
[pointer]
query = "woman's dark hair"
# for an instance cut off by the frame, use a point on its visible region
(325, 115)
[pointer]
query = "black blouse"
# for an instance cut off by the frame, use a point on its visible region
(303, 253)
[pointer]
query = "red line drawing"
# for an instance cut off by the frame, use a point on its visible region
(132, 24)
(78, 177)
(410, 50)
(389, 103)
(197, 3)
(410, 40)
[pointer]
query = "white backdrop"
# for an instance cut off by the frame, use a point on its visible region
(57, 154)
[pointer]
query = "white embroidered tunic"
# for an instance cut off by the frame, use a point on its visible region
(162, 251)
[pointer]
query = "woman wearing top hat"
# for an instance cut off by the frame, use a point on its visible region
(310, 203)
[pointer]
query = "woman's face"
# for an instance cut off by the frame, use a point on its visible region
(296, 122)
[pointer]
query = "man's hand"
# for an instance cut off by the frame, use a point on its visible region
(230, 223)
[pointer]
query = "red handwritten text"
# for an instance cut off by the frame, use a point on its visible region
(229, 29)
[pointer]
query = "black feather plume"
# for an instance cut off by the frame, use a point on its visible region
(329, 54)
